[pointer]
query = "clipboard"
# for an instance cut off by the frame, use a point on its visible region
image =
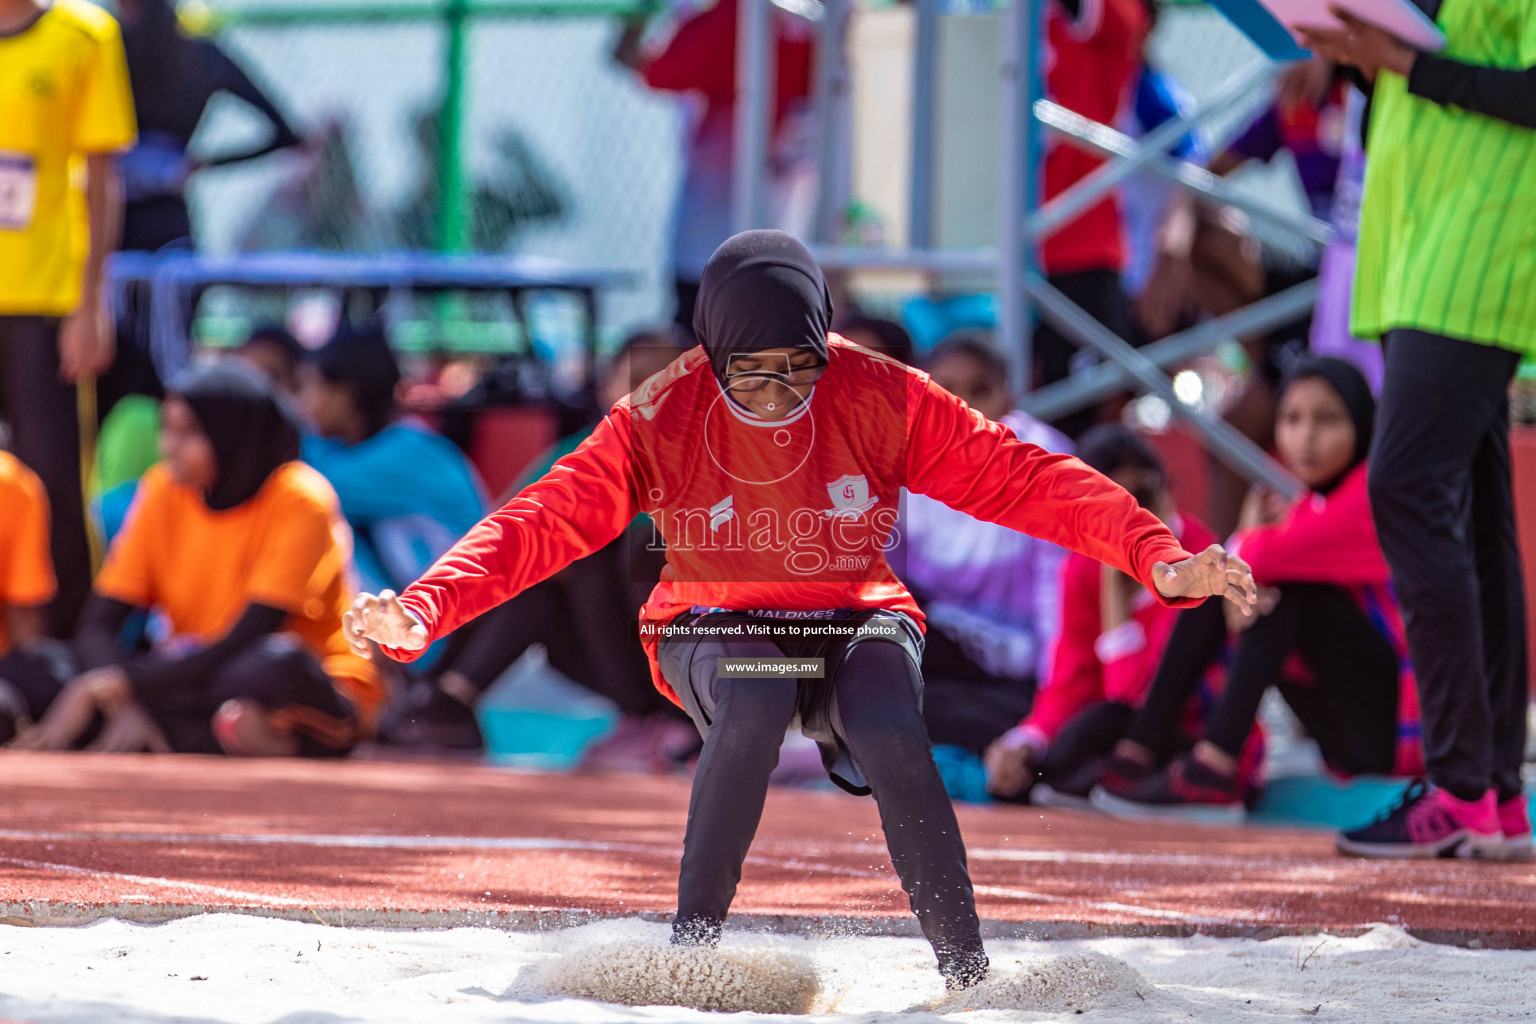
(1267, 22)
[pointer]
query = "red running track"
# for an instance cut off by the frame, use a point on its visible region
(146, 837)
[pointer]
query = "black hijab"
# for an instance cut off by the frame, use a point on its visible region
(251, 431)
(761, 290)
(1351, 386)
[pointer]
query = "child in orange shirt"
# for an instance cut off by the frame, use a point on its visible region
(242, 552)
(26, 584)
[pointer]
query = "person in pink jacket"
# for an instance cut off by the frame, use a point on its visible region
(1330, 636)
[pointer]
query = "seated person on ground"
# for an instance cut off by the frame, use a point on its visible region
(991, 594)
(582, 615)
(1113, 633)
(26, 586)
(1329, 636)
(240, 553)
(407, 492)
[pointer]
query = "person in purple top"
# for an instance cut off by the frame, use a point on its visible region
(992, 595)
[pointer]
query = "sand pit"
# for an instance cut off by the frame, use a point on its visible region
(1072, 982)
(225, 969)
(733, 979)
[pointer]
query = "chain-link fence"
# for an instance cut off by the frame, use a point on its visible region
(567, 154)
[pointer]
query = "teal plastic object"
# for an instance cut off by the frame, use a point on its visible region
(541, 740)
(965, 777)
(536, 719)
(929, 320)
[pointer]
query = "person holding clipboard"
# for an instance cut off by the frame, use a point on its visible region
(1447, 280)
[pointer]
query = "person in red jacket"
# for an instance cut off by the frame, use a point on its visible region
(1113, 634)
(698, 65)
(772, 460)
(1329, 635)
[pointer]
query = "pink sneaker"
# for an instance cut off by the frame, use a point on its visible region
(1515, 823)
(1427, 823)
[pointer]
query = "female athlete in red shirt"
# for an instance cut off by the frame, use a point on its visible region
(771, 460)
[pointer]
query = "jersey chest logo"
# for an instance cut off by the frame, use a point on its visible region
(721, 512)
(850, 497)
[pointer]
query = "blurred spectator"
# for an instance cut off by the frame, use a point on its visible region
(700, 62)
(1095, 49)
(26, 583)
(1329, 636)
(583, 616)
(65, 110)
(1112, 636)
(174, 80)
(241, 552)
(407, 491)
(277, 354)
(991, 595)
(885, 336)
(1156, 99)
(1206, 264)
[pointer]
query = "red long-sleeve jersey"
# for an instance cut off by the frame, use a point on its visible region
(788, 515)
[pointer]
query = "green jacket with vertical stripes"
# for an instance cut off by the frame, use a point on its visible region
(1448, 222)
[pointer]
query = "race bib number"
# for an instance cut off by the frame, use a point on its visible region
(18, 190)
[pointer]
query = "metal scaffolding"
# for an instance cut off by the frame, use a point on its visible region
(1021, 290)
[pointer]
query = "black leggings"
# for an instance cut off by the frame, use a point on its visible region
(1445, 512)
(1350, 707)
(882, 725)
(43, 415)
(1086, 737)
(277, 672)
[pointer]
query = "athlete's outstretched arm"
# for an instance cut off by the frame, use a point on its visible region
(581, 504)
(972, 464)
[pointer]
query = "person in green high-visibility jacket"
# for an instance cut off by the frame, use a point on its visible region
(1447, 280)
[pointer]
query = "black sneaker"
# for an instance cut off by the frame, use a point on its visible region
(433, 721)
(1186, 790)
(697, 931)
(1070, 790)
(964, 970)
(1075, 789)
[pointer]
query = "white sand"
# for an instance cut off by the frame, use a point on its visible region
(236, 969)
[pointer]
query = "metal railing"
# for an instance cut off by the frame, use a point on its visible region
(1020, 287)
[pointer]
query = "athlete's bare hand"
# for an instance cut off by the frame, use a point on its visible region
(1211, 573)
(384, 620)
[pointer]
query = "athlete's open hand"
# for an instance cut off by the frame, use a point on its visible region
(1211, 573)
(384, 620)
